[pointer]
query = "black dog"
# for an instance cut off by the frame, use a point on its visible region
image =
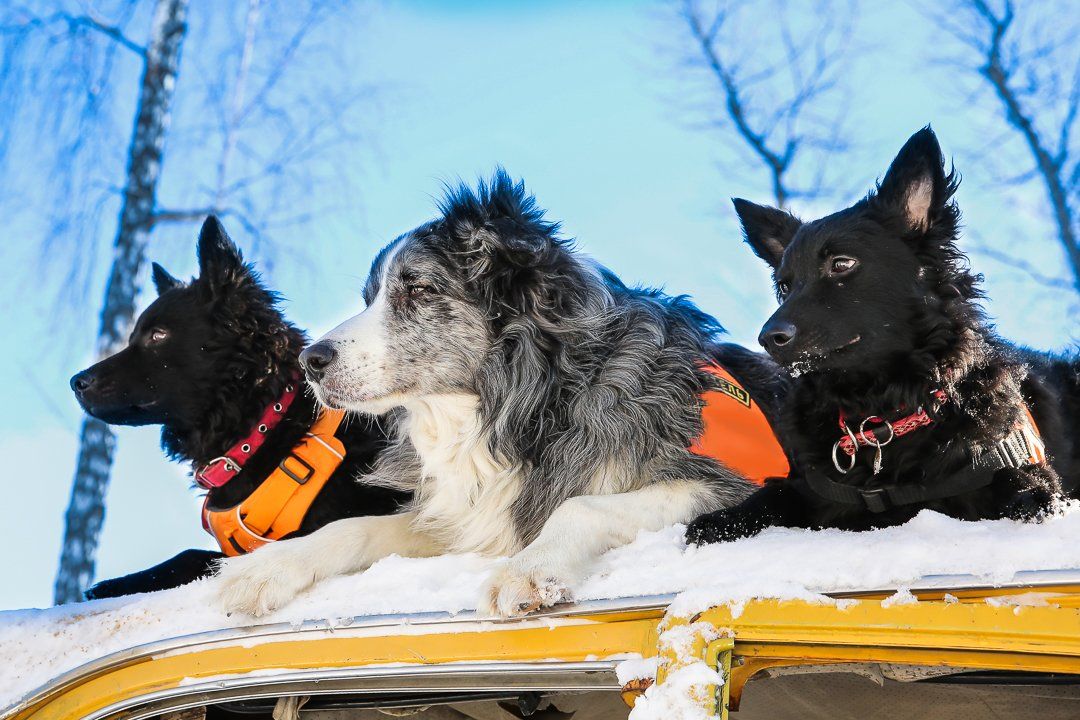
(879, 321)
(204, 361)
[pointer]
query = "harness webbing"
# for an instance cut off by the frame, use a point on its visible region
(1021, 447)
(736, 431)
(279, 504)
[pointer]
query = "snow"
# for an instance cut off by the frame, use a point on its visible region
(637, 668)
(780, 563)
(683, 694)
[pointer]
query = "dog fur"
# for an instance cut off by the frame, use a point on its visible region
(879, 309)
(543, 408)
(204, 360)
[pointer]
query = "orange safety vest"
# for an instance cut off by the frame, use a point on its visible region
(737, 433)
(279, 504)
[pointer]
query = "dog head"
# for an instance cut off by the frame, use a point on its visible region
(447, 299)
(877, 283)
(198, 352)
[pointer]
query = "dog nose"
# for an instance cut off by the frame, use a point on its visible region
(81, 382)
(776, 335)
(316, 359)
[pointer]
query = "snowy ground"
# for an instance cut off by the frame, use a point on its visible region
(41, 644)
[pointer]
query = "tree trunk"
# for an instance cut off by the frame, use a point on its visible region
(1049, 169)
(86, 509)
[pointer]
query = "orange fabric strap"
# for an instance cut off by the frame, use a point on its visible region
(277, 507)
(1037, 447)
(737, 433)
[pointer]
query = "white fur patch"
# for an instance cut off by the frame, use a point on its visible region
(574, 537)
(917, 203)
(465, 496)
(263, 581)
(356, 380)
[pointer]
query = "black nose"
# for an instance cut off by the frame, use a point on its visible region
(776, 334)
(81, 382)
(316, 359)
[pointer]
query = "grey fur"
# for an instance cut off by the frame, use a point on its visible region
(584, 384)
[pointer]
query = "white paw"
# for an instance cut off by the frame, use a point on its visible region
(260, 583)
(513, 591)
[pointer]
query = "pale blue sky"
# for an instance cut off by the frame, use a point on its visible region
(583, 101)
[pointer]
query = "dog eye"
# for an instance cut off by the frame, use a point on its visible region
(418, 290)
(783, 288)
(157, 335)
(841, 265)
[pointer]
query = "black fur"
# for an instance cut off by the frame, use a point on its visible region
(877, 337)
(204, 360)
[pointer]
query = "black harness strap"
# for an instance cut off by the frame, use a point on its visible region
(1014, 451)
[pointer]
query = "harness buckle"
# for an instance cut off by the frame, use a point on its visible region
(229, 463)
(299, 480)
(876, 499)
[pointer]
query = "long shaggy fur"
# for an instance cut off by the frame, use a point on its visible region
(229, 352)
(544, 409)
(587, 381)
(879, 340)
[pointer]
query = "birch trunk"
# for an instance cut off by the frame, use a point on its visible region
(86, 509)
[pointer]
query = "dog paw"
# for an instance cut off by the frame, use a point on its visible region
(262, 582)
(719, 526)
(513, 592)
(110, 589)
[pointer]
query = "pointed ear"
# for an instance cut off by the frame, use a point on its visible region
(768, 230)
(916, 186)
(220, 261)
(163, 281)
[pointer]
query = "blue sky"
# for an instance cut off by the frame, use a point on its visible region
(582, 100)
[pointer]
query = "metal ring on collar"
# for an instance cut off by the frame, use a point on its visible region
(872, 440)
(836, 460)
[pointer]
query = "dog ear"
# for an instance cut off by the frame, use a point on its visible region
(916, 186)
(220, 261)
(163, 281)
(500, 219)
(767, 230)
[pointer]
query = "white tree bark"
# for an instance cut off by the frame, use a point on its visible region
(86, 509)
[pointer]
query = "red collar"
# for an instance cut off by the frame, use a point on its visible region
(882, 431)
(222, 469)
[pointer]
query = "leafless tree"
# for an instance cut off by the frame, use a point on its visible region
(263, 127)
(773, 69)
(1026, 55)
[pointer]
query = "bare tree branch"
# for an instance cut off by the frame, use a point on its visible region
(283, 115)
(243, 71)
(772, 96)
(110, 31)
(21, 20)
(1024, 72)
(1024, 266)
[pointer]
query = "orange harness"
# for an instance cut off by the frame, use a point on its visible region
(279, 504)
(737, 433)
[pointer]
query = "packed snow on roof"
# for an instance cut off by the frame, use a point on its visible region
(780, 563)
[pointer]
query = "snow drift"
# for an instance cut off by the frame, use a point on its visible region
(779, 563)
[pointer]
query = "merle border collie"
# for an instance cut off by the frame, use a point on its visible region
(905, 398)
(204, 361)
(544, 409)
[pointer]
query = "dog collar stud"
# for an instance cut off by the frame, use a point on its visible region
(225, 467)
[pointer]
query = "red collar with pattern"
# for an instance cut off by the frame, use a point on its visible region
(224, 468)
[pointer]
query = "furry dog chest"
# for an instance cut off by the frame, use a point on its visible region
(465, 494)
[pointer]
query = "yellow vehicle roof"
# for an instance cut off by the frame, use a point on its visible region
(1031, 624)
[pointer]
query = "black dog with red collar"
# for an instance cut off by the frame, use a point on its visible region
(880, 314)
